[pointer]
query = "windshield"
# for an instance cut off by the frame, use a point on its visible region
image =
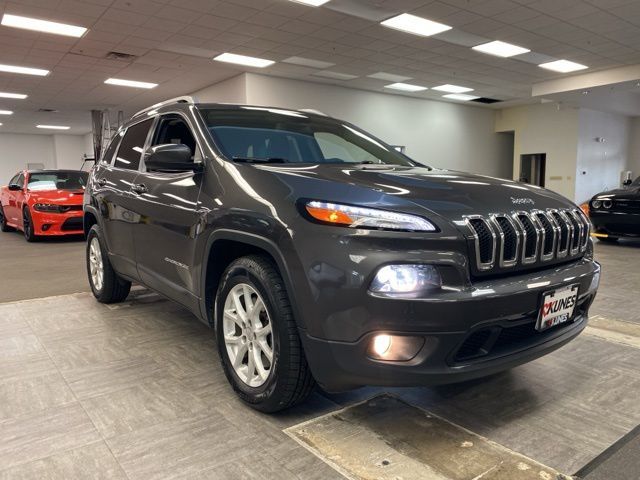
(283, 136)
(57, 181)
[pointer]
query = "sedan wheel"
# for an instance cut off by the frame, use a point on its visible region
(248, 335)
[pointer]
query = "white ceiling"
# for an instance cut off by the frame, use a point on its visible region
(175, 40)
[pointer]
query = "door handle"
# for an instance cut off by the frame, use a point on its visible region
(139, 188)
(102, 182)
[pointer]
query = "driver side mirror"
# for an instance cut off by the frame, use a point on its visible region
(171, 158)
(14, 187)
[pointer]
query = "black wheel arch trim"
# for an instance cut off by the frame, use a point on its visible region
(256, 241)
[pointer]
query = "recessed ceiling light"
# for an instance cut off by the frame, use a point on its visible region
(460, 96)
(501, 49)
(244, 60)
(53, 127)
(24, 70)
(6, 112)
(311, 3)
(416, 25)
(42, 25)
(334, 75)
(452, 89)
(388, 77)
(563, 66)
(130, 83)
(20, 96)
(406, 87)
(308, 62)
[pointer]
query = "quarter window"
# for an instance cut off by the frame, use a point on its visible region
(107, 157)
(132, 146)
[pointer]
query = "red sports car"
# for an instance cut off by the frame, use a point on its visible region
(43, 203)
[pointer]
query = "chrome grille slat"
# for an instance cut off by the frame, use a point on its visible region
(523, 238)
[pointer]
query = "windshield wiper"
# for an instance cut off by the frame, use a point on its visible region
(259, 160)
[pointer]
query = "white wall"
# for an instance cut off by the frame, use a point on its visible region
(633, 162)
(233, 90)
(54, 151)
(441, 134)
(600, 164)
(545, 129)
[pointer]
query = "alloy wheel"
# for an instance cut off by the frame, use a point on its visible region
(26, 224)
(96, 266)
(248, 335)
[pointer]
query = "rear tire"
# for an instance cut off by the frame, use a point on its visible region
(251, 301)
(27, 226)
(3, 222)
(107, 286)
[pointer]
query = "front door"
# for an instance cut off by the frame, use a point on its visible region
(167, 204)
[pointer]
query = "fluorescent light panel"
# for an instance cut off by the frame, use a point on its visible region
(6, 112)
(415, 25)
(460, 96)
(20, 96)
(452, 89)
(129, 83)
(563, 66)
(42, 25)
(388, 77)
(501, 49)
(406, 87)
(244, 60)
(311, 3)
(308, 62)
(24, 70)
(334, 75)
(53, 127)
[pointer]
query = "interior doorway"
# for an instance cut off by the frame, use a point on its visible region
(532, 168)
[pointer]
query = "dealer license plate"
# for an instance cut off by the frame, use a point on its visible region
(557, 307)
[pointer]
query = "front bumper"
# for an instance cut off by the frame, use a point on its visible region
(615, 224)
(56, 224)
(453, 327)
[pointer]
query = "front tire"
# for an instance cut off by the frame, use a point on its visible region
(608, 239)
(3, 222)
(257, 337)
(107, 286)
(27, 226)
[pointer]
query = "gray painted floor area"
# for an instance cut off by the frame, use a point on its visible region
(136, 391)
(52, 266)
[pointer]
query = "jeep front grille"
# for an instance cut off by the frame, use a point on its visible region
(527, 238)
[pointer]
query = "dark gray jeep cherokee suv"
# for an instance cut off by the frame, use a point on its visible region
(318, 253)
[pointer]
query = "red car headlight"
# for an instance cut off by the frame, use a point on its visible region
(49, 207)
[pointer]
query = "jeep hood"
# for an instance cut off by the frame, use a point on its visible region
(448, 193)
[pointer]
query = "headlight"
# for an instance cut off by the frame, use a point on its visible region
(406, 279)
(596, 204)
(47, 207)
(360, 217)
(607, 204)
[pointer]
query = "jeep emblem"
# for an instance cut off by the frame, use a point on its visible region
(522, 201)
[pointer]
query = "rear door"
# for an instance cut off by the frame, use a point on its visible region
(168, 203)
(113, 181)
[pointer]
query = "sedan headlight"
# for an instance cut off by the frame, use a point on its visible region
(361, 217)
(406, 279)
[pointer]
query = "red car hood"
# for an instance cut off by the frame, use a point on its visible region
(57, 197)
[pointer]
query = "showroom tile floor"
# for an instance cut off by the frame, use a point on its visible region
(136, 391)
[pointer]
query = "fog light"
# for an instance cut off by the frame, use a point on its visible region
(394, 348)
(409, 280)
(45, 227)
(381, 344)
